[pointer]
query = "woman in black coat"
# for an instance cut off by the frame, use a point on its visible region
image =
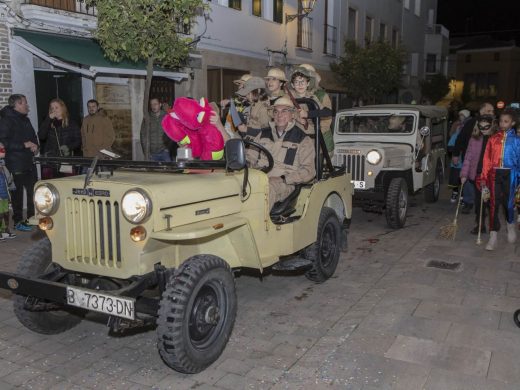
(58, 134)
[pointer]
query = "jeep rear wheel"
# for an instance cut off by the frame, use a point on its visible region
(324, 253)
(196, 314)
(432, 190)
(34, 262)
(396, 203)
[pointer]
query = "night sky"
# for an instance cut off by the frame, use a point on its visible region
(499, 18)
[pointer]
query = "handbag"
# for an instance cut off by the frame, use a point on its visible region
(64, 168)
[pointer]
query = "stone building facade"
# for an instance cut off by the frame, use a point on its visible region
(5, 65)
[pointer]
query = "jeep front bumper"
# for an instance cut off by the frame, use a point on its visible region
(118, 303)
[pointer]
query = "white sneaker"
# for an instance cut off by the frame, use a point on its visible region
(7, 235)
(511, 233)
(492, 243)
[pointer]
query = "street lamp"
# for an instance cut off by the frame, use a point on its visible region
(306, 6)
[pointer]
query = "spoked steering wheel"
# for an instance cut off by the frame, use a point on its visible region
(261, 148)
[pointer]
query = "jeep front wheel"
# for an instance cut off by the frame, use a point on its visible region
(396, 203)
(324, 253)
(196, 314)
(34, 262)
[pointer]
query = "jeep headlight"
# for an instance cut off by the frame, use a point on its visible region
(136, 206)
(46, 199)
(374, 157)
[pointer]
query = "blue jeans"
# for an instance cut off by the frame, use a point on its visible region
(468, 193)
(163, 155)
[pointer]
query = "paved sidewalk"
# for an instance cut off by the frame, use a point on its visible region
(384, 321)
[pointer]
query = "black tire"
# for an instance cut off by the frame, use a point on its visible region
(432, 190)
(516, 317)
(34, 262)
(344, 240)
(324, 253)
(396, 203)
(187, 341)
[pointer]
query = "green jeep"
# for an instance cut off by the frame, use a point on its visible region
(152, 243)
(392, 151)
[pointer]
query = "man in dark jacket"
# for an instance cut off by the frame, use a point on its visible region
(21, 144)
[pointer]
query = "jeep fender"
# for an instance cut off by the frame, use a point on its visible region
(335, 193)
(228, 237)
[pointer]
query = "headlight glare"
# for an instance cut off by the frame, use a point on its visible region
(46, 199)
(136, 206)
(374, 157)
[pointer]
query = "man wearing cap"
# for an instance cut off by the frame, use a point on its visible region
(303, 84)
(254, 91)
(275, 82)
(292, 150)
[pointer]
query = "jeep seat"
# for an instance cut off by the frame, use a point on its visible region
(286, 207)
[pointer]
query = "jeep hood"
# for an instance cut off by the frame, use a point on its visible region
(364, 147)
(167, 188)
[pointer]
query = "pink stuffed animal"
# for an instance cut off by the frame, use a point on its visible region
(188, 124)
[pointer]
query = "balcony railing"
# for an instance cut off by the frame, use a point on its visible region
(329, 46)
(438, 29)
(304, 38)
(77, 6)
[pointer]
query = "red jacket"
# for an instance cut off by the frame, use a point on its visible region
(502, 151)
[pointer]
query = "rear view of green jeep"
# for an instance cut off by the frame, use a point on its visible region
(157, 243)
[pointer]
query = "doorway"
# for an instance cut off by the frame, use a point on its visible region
(63, 85)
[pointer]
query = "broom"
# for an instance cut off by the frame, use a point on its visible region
(479, 241)
(449, 232)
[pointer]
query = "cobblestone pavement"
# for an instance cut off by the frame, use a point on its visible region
(384, 321)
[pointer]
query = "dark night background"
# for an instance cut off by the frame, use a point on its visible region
(499, 18)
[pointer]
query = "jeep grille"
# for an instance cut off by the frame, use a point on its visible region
(354, 164)
(92, 234)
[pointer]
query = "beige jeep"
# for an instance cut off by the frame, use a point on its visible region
(392, 151)
(158, 243)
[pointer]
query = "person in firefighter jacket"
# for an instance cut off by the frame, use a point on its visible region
(292, 150)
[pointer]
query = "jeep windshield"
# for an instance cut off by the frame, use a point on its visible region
(376, 124)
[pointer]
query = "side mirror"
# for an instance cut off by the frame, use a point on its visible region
(424, 131)
(235, 153)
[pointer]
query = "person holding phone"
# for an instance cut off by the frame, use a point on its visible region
(59, 135)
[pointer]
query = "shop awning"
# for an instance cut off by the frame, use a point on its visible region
(81, 55)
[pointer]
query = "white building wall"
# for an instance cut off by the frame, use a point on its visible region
(250, 35)
(241, 33)
(22, 75)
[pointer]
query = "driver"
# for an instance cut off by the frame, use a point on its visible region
(292, 150)
(396, 123)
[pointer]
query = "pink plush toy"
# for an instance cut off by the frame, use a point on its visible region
(188, 124)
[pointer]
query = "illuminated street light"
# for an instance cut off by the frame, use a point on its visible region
(307, 7)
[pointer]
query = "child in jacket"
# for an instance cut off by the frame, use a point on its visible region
(500, 176)
(472, 166)
(4, 200)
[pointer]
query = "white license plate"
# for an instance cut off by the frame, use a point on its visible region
(103, 303)
(358, 184)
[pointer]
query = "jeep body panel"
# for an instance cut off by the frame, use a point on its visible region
(192, 213)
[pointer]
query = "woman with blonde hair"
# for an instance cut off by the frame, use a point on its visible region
(59, 135)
